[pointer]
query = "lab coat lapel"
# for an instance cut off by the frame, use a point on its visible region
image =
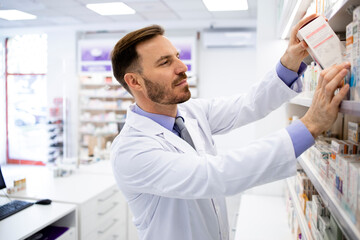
(178, 142)
(149, 127)
(194, 131)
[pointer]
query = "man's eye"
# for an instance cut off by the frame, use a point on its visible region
(165, 62)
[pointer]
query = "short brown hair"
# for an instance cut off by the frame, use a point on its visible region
(124, 57)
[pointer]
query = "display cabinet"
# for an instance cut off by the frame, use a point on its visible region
(102, 111)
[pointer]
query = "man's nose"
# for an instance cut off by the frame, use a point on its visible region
(180, 67)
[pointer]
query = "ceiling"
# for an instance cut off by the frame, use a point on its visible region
(74, 12)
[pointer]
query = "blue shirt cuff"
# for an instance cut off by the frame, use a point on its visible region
(300, 137)
(288, 76)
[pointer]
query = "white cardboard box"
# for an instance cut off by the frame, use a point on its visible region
(323, 44)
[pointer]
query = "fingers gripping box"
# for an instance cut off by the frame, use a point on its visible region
(323, 44)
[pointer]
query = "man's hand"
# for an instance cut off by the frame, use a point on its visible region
(296, 51)
(325, 105)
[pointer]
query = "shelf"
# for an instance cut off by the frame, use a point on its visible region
(100, 84)
(98, 134)
(299, 211)
(104, 109)
(346, 107)
(103, 121)
(339, 15)
(302, 101)
(108, 97)
(347, 226)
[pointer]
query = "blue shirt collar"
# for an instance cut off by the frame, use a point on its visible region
(165, 121)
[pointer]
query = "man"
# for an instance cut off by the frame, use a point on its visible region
(172, 178)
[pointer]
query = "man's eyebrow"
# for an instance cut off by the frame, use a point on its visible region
(166, 57)
(162, 58)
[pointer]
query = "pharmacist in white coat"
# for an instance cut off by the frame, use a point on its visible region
(176, 189)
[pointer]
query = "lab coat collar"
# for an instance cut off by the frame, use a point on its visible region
(150, 127)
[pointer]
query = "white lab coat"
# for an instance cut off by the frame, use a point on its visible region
(169, 186)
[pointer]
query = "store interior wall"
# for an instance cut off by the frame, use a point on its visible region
(226, 72)
(269, 51)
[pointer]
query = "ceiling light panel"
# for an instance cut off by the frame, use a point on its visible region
(111, 8)
(15, 15)
(226, 5)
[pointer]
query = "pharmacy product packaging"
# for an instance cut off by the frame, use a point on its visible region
(344, 162)
(353, 187)
(352, 147)
(317, 210)
(335, 229)
(323, 44)
(337, 147)
(354, 60)
(356, 13)
(349, 53)
(353, 131)
(324, 224)
(321, 156)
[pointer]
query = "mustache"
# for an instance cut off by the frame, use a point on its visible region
(179, 79)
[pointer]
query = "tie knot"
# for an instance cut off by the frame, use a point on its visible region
(179, 121)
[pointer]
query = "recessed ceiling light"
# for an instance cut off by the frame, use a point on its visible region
(15, 15)
(226, 5)
(111, 8)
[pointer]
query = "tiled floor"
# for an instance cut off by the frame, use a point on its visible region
(262, 217)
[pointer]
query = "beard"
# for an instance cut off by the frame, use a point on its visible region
(160, 94)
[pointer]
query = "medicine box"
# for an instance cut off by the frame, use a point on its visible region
(352, 147)
(349, 51)
(356, 13)
(354, 57)
(323, 44)
(353, 195)
(343, 174)
(317, 210)
(324, 223)
(337, 147)
(332, 174)
(353, 131)
(322, 154)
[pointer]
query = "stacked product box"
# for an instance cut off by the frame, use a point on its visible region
(304, 188)
(338, 164)
(353, 54)
(353, 132)
(320, 221)
(310, 79)
(343, 175)
(353, 192)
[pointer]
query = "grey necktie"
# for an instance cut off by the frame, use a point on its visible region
(184, 134)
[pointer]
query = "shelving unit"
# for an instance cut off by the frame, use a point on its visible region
(339, 16)
(102, 111)
(343, 219)
(56, 132)
(299, 211)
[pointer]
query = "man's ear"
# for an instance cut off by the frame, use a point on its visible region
(132, 80)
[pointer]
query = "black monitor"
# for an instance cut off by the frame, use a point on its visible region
(2, 181)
